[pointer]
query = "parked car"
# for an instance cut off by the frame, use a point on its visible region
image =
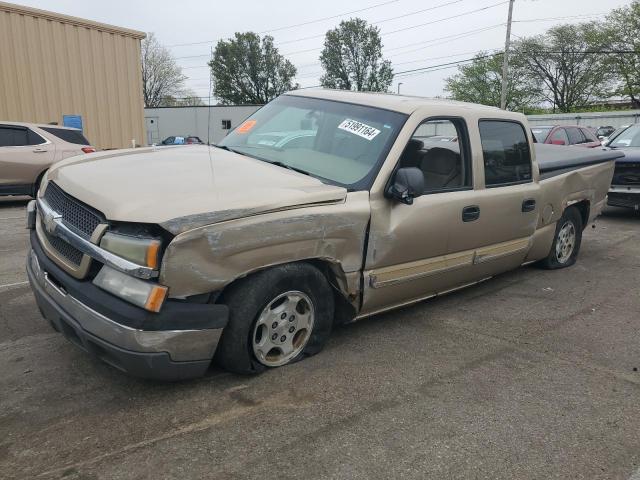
(251, 255)
(566, 135)
(188, 140)
(604, 132)
(605, 141)
(27, 150)
(625, 185)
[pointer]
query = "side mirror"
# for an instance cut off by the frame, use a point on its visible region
(408, 183)
(558, 142)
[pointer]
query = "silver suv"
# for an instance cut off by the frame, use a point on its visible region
(27, 150)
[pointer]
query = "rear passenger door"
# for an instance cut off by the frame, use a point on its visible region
(508, 202)
(23, 155)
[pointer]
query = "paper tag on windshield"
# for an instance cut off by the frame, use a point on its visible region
(361, 129)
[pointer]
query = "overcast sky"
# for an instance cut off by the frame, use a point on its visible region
(417, 39)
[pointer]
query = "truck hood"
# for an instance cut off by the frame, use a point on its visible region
(631, 154)
(181, 188)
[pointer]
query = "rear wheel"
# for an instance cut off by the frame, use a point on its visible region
(277, 316)
(566, 242)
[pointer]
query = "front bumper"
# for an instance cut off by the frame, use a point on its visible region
(624, 196)
(146, 351)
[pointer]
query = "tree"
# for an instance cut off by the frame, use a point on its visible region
(481, 82)
(247, 69)
(622, 33)
(161, 76)
(352, 58)
(188, 98)
(563, 60)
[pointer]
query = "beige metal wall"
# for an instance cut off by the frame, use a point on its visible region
(52, 65)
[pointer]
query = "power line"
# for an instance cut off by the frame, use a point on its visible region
(435, 7)
(329, 18)
(318, 20)
(463, 14)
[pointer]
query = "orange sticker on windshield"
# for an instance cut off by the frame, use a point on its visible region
(246, 126)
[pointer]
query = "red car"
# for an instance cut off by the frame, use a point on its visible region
(566, 135)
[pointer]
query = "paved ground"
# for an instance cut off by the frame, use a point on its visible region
(530, 375)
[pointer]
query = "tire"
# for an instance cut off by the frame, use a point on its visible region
(258, 302)
(566, 241)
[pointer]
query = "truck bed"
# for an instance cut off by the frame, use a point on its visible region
(556, 159)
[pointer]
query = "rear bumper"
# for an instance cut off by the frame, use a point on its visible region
(623, 196)
(156, 354)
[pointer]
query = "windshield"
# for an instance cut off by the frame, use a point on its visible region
(540, 133)
(627, 138)
(340, 143)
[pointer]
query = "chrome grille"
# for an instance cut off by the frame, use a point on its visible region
(76, 215)
(67, 251)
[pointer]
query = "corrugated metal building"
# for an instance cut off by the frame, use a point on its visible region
(54, 65)
(205, 122)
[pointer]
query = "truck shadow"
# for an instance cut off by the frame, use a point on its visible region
(615, 213)
(13, 202)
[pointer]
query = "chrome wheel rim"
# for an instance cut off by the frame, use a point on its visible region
(566, 242)
(283, 328)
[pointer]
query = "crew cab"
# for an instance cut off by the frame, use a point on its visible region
(162, 260)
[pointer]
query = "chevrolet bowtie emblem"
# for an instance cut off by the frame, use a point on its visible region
(49, 220)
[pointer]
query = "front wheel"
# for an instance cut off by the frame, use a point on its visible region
(566, 242)
(276, 317)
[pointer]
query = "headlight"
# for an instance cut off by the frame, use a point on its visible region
(147, 295)
(143, 251)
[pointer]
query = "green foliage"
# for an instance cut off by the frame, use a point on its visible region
(561, 60)
(352, 58)
(161, 75)
(248, 70)
(481, 82)
(622, 33)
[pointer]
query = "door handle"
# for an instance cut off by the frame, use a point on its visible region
(39, 150)
(470, 213)
(529, 205)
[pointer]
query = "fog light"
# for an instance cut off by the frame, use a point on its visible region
(147, 295)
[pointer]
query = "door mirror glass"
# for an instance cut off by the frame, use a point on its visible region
(408, 183)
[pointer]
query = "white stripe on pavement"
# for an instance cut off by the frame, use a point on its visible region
(14, 284)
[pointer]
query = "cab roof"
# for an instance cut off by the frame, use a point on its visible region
(389, 101)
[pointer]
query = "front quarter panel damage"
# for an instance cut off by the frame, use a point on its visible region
(206, 259)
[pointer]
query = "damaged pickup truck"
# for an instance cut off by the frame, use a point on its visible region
(323, 207)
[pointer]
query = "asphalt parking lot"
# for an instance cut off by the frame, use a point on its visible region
(533, 374)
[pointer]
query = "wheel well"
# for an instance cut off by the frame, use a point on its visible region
(584, 207)
(36, 184)
(344, 310)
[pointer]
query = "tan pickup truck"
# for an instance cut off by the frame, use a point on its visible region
(323, 207)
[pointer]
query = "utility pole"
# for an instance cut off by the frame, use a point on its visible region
(505, 61)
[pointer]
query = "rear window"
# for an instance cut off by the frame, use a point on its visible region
(71, 136)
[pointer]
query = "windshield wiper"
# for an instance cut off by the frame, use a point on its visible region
(288, 167)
